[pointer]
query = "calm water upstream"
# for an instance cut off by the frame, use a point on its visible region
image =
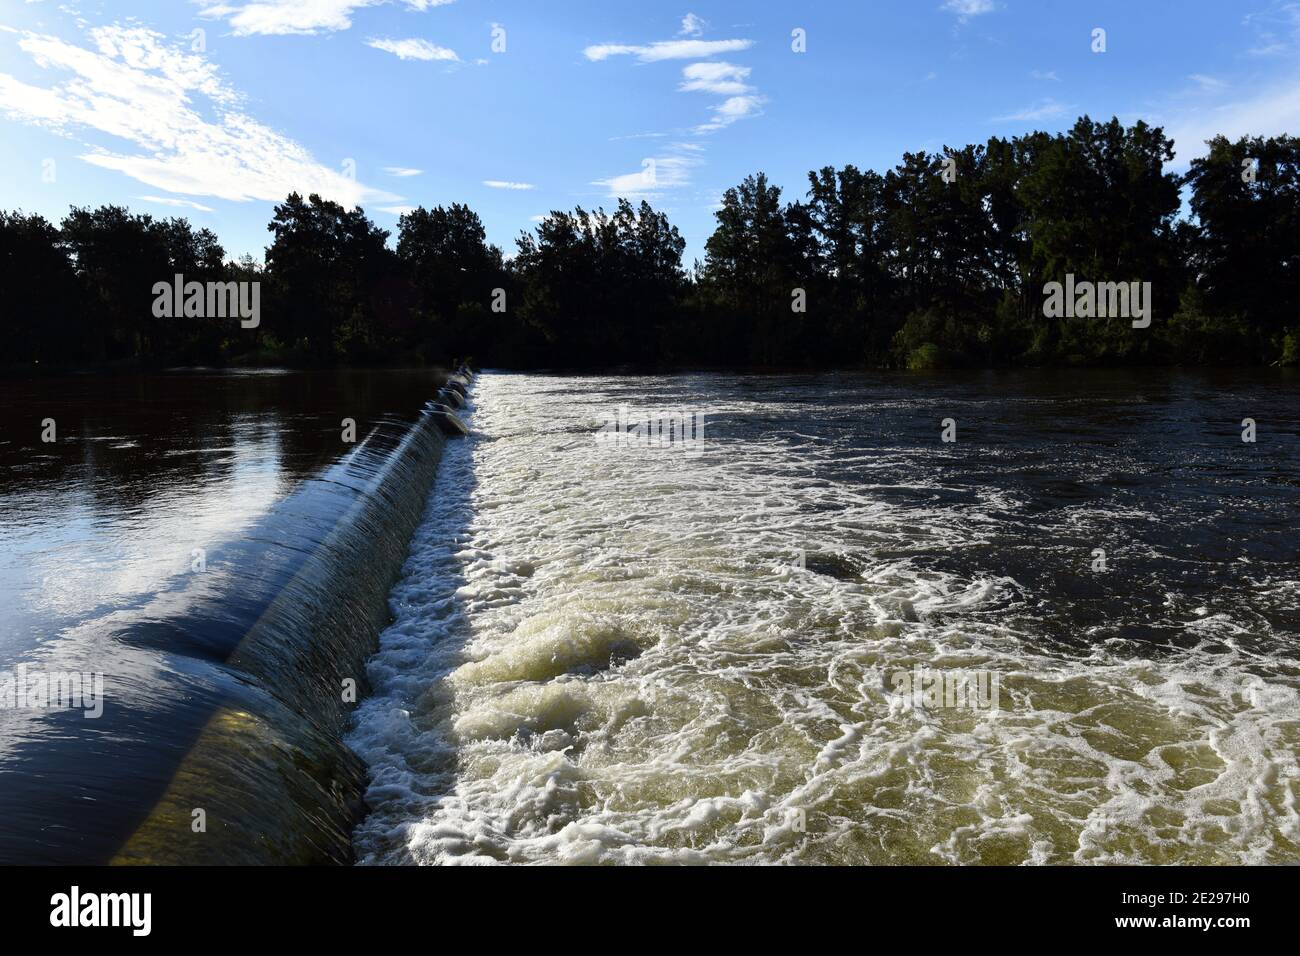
(98, 578)
(607, 654)
(145, 468)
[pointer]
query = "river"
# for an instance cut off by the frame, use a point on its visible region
(717, 649)
(984, 618)
(203, 554)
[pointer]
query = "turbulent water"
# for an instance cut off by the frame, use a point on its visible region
(689, 654)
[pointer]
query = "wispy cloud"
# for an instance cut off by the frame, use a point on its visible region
(1277, 28)
(177, 203)
(717, 78)
(1043, 109)
(657, 175)
(188, 134)
(1208, 84)
(505, 184)
(413, 49)
(1270, 113)
(280, 17)
(692, 26)
(402, 171)
(730, 110)
(965, 9)
(666, 49)
(1268, 46)
(725, 79)
(1044, 75)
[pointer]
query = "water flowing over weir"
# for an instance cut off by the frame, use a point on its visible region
(624, 655)
(225, 692)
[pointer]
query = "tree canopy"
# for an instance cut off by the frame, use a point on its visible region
(941, 261)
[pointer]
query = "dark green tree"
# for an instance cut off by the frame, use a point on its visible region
(326, 264)
(1245, 247)
(598, 286)
(758, 256)
(1101, 206)
(41, 314)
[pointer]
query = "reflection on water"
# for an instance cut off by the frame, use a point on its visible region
(146, 469)
(149, 543)
(610, 654)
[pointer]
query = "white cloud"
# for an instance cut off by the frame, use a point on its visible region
(692, 26)
(656, 175)
(397, 210)
(181, 121)
(667, 49)
(1045, 75)
(402, 171)
(1043, 109)
(1268, 47)
(1271, 113)
(503, 184)
(180, 203)
(724, 79)
(965, 9)
(413, 49)
(716, 77)
(730, 110)
(1208, 84)
(1277, 28)
(279, 17)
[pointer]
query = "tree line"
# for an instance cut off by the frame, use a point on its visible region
(939, 262)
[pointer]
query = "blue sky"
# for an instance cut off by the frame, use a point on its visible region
(397, 103)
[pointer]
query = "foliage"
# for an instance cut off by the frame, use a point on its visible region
(938, 262)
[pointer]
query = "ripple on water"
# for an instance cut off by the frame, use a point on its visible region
(647, 656)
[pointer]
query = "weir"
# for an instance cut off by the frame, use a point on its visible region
(226, 696)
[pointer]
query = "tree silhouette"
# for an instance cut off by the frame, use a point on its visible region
(940, 261)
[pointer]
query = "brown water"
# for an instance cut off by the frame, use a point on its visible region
(698, 652)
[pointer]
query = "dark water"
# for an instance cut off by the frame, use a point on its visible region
(147, 468)
(692, 653)
(154, 543)
(645, 655)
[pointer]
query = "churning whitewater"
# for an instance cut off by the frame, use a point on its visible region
(612, 654)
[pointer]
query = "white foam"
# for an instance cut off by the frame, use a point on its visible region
(612, 656)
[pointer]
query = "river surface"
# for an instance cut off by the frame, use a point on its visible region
(700, 651)
(143, 469)
(149, 522)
